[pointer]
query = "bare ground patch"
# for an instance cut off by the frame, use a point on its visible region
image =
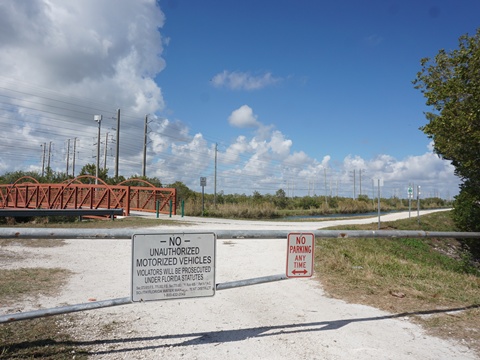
(44, 338)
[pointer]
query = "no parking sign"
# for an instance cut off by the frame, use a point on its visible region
(300, 251)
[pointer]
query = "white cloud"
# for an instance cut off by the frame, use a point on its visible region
(243, 117)
(234, 151)
(279, 144)
(63, 61)
(428, 170)
(83, 49)
(243, 80)
(184, 162)
(297, 160)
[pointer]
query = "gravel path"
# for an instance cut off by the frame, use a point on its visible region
(282, 320)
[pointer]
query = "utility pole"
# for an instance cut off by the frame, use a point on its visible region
(144, 167)
(215, 179)
(105, 153)
(68, 153)
(378, 204)
(49, 154)
(360, 174)
(418, 204)
(325, 182)
(117, 153)
(43, 158)
(97, 118)
(354, 190)
(74, 152)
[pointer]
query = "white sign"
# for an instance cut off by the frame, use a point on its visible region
(173, 266)
(300, 251)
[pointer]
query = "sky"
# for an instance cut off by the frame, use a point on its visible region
(312, 97)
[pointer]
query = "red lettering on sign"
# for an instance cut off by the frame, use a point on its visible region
(300, 250)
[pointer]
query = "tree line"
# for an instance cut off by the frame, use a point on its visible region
(450, 82)
(255, 205)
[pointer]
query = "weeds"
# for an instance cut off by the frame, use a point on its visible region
(17, 283)
(38, 339)
(407, 276)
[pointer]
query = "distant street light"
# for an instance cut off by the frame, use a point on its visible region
(97, 118)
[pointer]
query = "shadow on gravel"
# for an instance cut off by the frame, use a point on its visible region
(223, 336)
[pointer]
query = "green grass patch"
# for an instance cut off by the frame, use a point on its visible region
(406, 275)
(383, 266)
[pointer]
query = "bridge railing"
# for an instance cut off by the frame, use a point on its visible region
(88, 196)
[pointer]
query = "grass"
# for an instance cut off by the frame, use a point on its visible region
(127, 222)
(32, 242)
(44, 338)
(21, 283)
(412, 276)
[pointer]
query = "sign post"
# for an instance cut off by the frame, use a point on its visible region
(410, 196)
(418, 204)
(380, 184)
(300, 251)
(173, 266)
(203, 183)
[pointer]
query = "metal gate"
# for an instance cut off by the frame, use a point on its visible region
(58, 233)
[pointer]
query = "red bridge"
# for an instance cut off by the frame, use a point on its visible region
(28, 193)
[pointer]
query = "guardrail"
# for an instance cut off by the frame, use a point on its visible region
(59, 233)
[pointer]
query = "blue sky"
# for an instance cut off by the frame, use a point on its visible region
(296, 95)
(341, 70)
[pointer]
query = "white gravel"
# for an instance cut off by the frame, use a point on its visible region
(281, 320)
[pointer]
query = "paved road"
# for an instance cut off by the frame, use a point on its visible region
(221, 224)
